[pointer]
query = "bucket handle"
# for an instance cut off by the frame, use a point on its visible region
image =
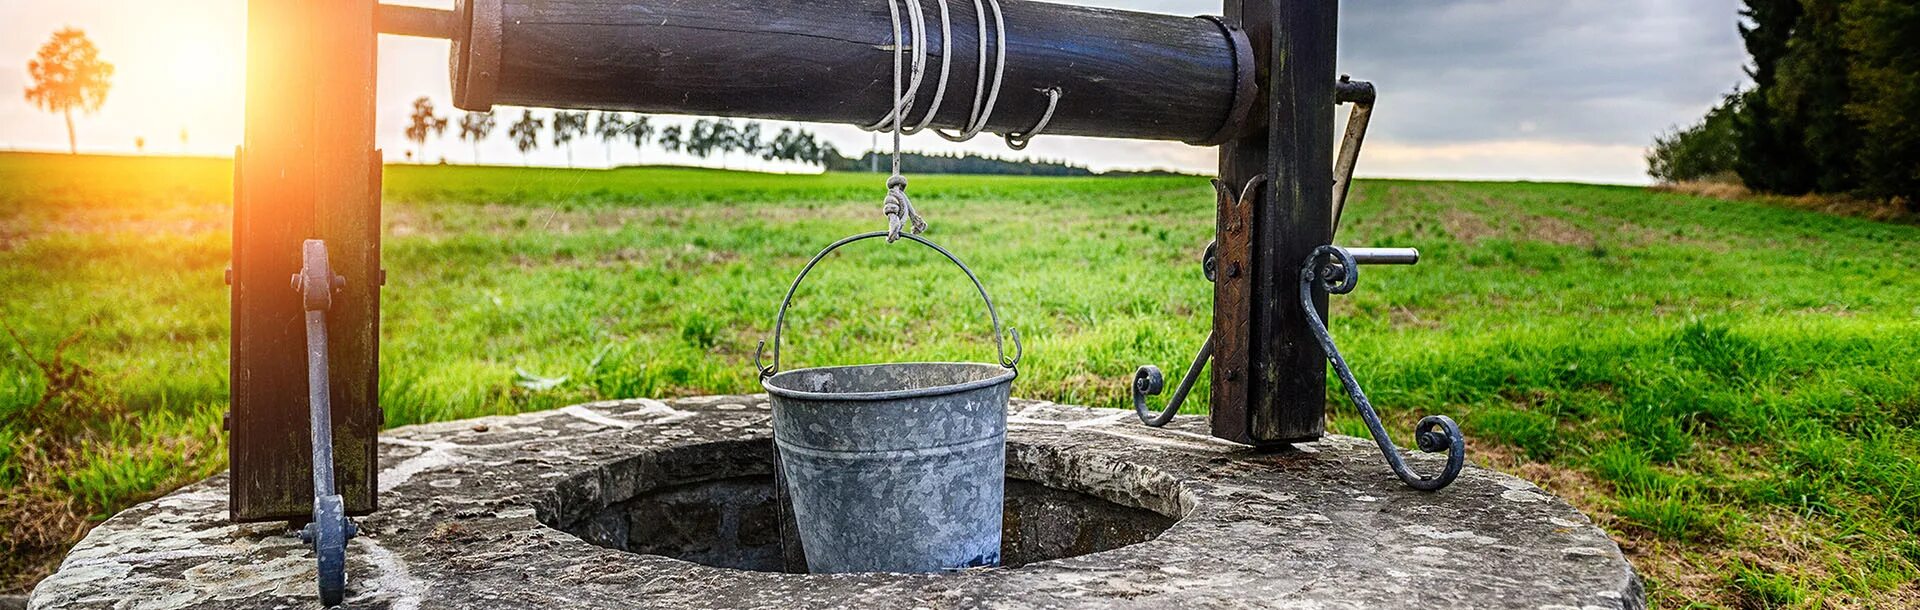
(780, 321)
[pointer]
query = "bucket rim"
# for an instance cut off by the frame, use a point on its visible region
(1006, 376)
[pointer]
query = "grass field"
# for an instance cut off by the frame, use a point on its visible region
(1732, 389)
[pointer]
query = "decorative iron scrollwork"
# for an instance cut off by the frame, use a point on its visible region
(1337, 271)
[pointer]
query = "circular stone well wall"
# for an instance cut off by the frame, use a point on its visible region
(651, 504)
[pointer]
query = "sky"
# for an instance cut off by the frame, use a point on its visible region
(1569, 90)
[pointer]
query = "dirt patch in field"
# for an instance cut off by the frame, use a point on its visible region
(1556, 231)
(1883, 210)
(81, 221)
(36, 528)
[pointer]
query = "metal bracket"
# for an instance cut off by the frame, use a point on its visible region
(1337, 271)
(1148, 380)
(330, 529)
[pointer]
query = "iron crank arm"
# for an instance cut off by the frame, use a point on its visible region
(1362, 95)
(1337, 270)
(330, 529)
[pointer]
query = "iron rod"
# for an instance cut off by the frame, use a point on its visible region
(1385, 256)
(413, 21)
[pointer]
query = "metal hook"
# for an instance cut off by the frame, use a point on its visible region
(1337, 271)
(1018, 140)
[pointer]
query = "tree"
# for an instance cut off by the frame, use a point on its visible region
(701, 140)
(526, 133)
(140, 144)
(567, 126)
(783, 147)
(611, 126)
(671, 139)
(67, 73)
(1812, 92)
(640, 130)
(747, 139)
(474, 127)
(1708, 150)
(1884, 36)
(723, 138)
(824, 154)
(1772, 155)
(423, 122)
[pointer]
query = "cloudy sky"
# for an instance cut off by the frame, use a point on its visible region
(1490, 89)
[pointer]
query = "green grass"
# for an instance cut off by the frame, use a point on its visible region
(1731, 388)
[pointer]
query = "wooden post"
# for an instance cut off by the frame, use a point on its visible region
(307, 169)
(1269, 377)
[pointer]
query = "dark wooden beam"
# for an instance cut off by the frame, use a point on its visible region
(1281, 397)
(1122, 74)
(306, 169)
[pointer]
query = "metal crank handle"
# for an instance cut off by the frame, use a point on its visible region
(1148, 381)
(1385, 256)
(1362, 95)
(330, 529)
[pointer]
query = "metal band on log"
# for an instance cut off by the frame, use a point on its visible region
(1122, 74)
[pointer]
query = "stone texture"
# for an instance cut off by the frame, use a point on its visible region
(463, 505)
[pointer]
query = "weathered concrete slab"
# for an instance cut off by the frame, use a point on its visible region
(463, 504)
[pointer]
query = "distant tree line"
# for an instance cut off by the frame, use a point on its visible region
(918, 163)
(1834, 107)
(703, 138)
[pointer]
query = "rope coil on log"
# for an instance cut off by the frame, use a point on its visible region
(984, 98)
(906, 92)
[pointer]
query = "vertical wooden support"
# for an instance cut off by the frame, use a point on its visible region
(1269, 384)
(307, 169)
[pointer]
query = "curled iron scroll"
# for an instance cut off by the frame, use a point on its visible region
(1334, 269)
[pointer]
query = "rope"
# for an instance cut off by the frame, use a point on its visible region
(906, 93)
(983, 101)
(898, 208)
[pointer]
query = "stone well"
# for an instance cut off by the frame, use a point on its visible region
(650, 504)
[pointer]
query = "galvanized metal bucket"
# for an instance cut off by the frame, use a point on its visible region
(893, 467)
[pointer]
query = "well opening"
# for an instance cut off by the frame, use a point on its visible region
(714, 504)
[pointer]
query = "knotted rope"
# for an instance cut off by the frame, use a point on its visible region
(898, 207)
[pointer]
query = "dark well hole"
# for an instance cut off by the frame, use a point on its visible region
(713, 504)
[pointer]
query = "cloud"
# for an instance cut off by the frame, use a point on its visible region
(1589, 72)
(1505, 160)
